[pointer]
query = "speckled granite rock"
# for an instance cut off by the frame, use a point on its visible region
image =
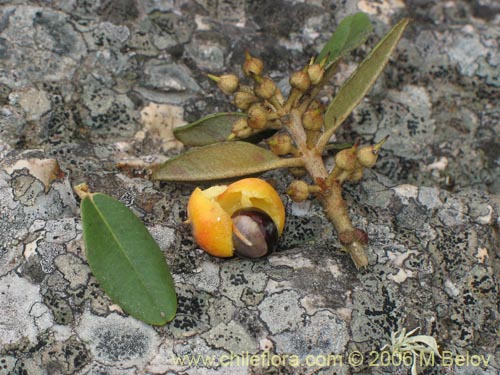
(86, 85)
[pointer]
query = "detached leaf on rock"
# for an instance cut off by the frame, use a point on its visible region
(126, 260)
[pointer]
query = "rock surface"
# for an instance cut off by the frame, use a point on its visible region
(87, 85)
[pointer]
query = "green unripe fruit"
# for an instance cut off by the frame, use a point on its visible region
(298, 191)
(257, 117)
(300, 81)
(266, 88)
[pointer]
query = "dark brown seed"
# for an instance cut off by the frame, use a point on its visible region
(255, 235)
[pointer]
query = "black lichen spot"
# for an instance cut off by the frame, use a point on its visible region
(238, 279)
(119, 346)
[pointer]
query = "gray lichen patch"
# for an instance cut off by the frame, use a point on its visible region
(22, 314)
(321, 334)
(118, 341)
(231, 337)
(282, 311)
(236, 276)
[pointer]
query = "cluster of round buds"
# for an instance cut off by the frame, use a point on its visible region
(350, 163)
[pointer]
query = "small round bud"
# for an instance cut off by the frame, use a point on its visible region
(346, 159)
(252, 65)
(280, 144)
(266, 88)
(243, 100)
(315, 72)
(300, 80)
(367, 156)
(228, 83)
(241, 128)
(312, 119)
(257, 117)
(298, 191)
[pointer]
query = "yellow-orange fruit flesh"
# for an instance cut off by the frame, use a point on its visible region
(210, 223)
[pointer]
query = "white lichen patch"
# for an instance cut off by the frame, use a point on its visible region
(119, 341)
(406, 192)
(383, 9)
(34, 102)
(486, 219)
(429, 197)
(438, 165)
(482, 254)
(74, 270)
(22, 313)
(296, 261)
(206, 278)
(158, 122)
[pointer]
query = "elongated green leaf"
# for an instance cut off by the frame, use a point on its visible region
(126, 260)
(220, 161)
(362, 80)
(210, 129)
(351, 33)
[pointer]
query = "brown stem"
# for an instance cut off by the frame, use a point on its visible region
(331, 197)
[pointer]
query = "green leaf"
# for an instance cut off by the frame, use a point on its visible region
(361, 81)
(220, 161)
(210, 129)
(351, 33)
(126, 260)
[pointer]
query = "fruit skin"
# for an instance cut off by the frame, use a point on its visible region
(210, 212)
(210, 224)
